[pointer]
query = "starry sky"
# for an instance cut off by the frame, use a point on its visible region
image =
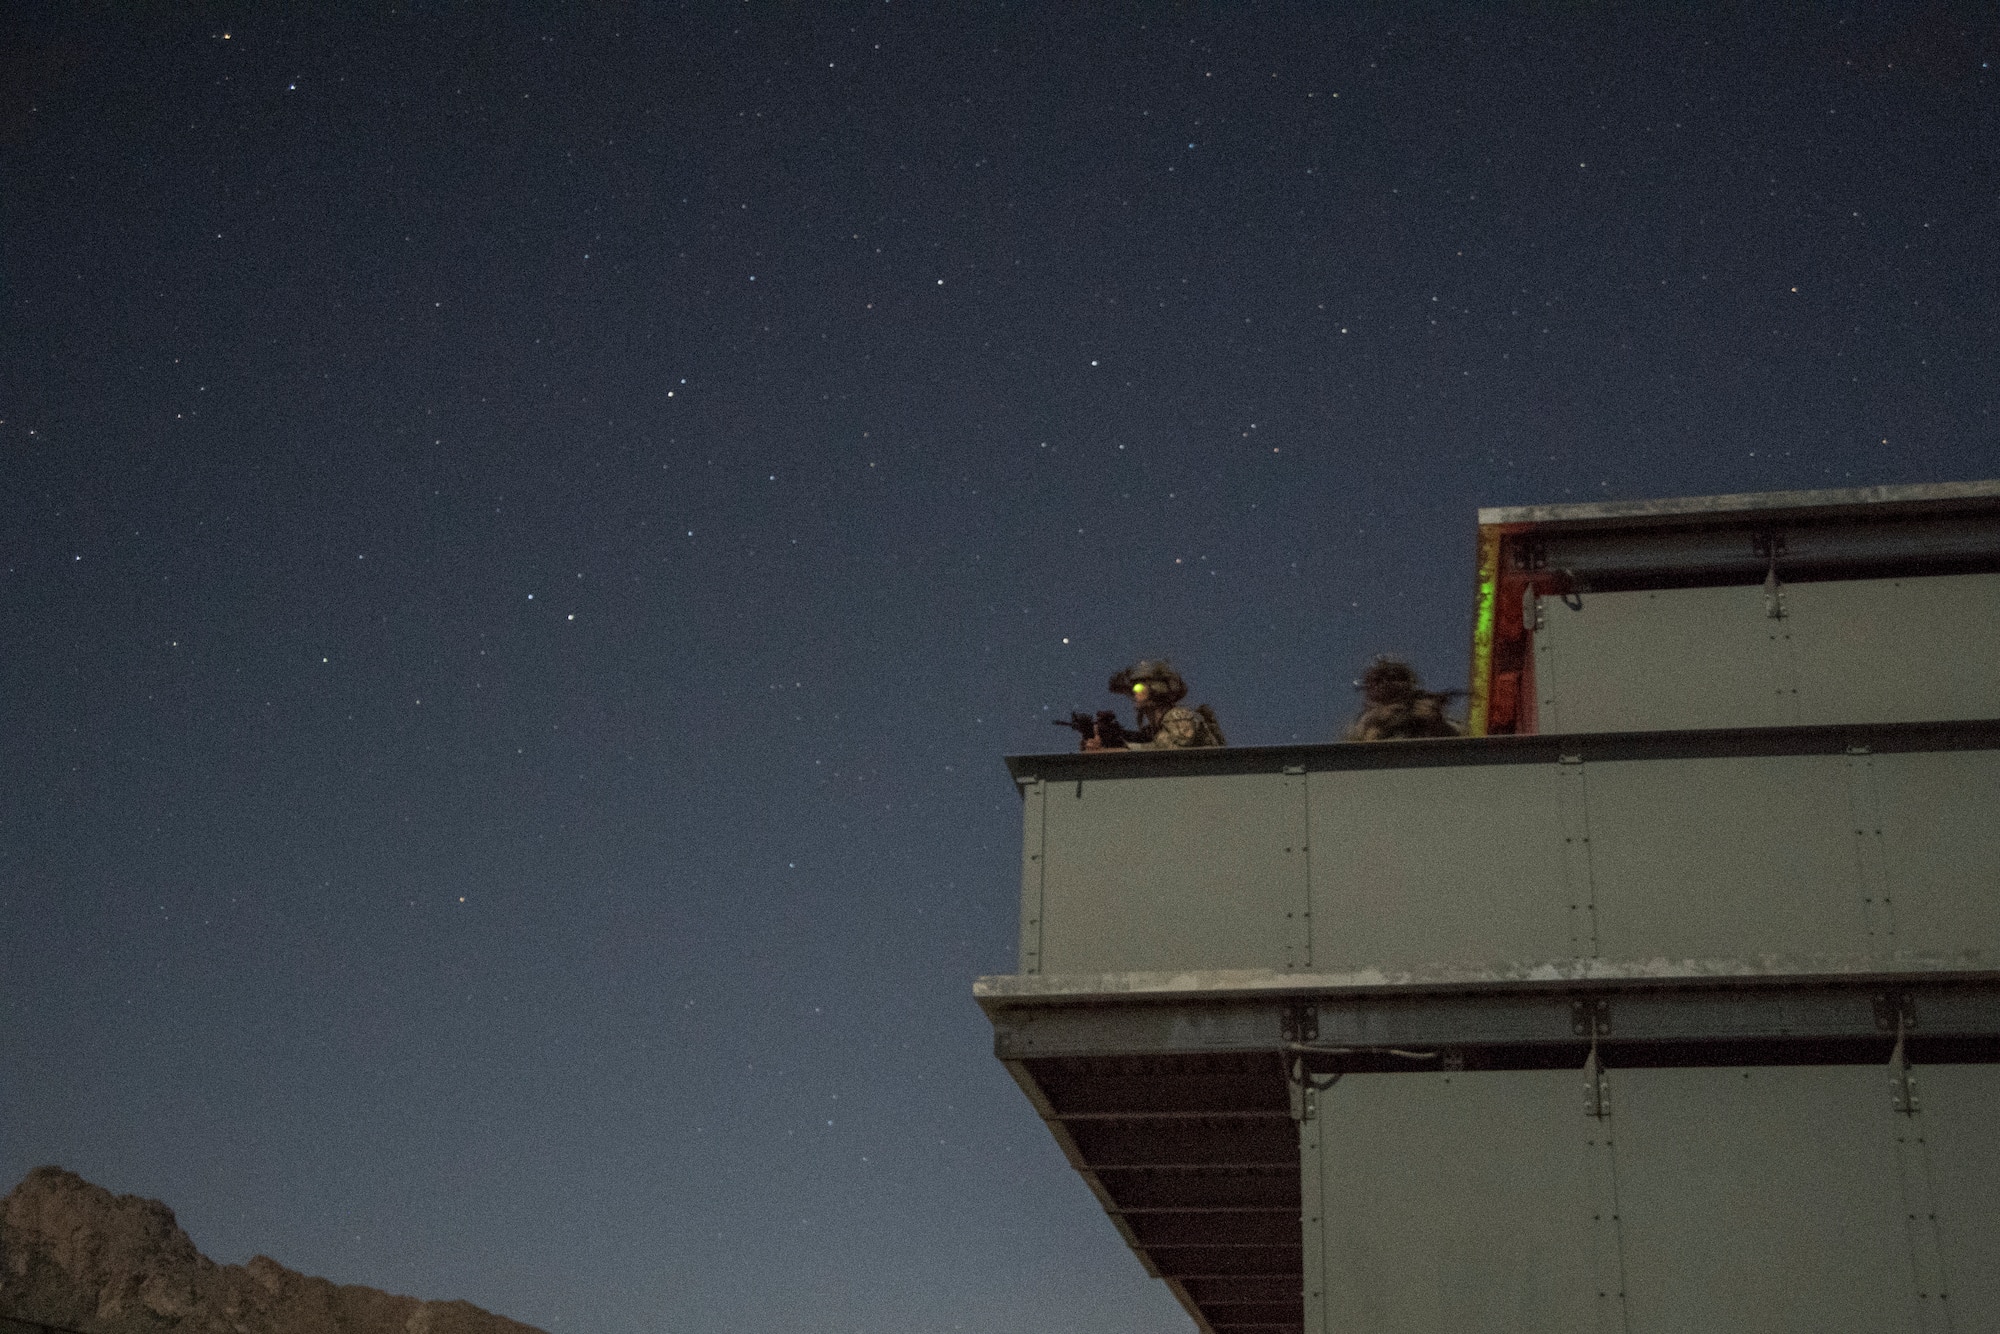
(526, 531)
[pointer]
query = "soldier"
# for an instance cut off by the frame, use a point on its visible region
(1398, 706)
(1157, 690)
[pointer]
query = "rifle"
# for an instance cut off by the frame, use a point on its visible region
(1110, 733)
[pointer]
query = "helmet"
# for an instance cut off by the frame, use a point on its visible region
(1163, 684)
(1388, 681)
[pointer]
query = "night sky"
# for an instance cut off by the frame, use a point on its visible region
(526, 534)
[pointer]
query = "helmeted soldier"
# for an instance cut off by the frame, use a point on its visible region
(1398, 706)
(1156, 691)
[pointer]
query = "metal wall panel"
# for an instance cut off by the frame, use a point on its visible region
(1424, 866)
(1762, 1200)
(1959, 1122)
(1895, 650)
(1724, 857)
(1461, 1202)
(1940, 820)
(1692, 857)
(1165, 873)
(1673, 658)
(1843, 651)
(1786, 1198)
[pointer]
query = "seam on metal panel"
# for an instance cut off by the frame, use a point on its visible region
(1034, 886)
(1579, 876)
(1312, 1221)
(1298, 943)
(1930, 1284)
(1871, 866)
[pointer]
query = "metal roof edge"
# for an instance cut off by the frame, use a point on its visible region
(1004, 989)
(1742, 503)
(1529, 748)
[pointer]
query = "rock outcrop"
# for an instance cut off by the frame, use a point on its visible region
(76, 1256)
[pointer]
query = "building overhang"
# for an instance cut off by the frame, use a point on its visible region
(1176, 1095)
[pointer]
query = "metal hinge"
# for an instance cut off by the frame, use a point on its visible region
(1902, 1087)
(1596, 1091)
(1306, 1087)
(1590, 1018)
(1300, 1025)
(1893, 1010)
(1771, 546)
(1902, 1084)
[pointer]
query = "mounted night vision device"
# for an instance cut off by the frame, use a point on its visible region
(1152, 681)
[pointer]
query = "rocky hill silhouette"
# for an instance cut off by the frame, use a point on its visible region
(77, 1257)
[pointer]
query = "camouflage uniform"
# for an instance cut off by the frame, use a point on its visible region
(1398, 706)
(1179, 728)
(1174, 727)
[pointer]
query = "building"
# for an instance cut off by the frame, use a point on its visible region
(1669, 1000)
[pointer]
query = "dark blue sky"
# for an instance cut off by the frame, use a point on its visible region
(527, 532)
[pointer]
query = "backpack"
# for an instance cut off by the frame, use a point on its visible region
(1214, 735)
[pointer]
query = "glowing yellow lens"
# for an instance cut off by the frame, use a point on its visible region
(1139, 688)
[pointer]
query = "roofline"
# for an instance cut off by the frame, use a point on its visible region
(1530, 748)
(1743, 502)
